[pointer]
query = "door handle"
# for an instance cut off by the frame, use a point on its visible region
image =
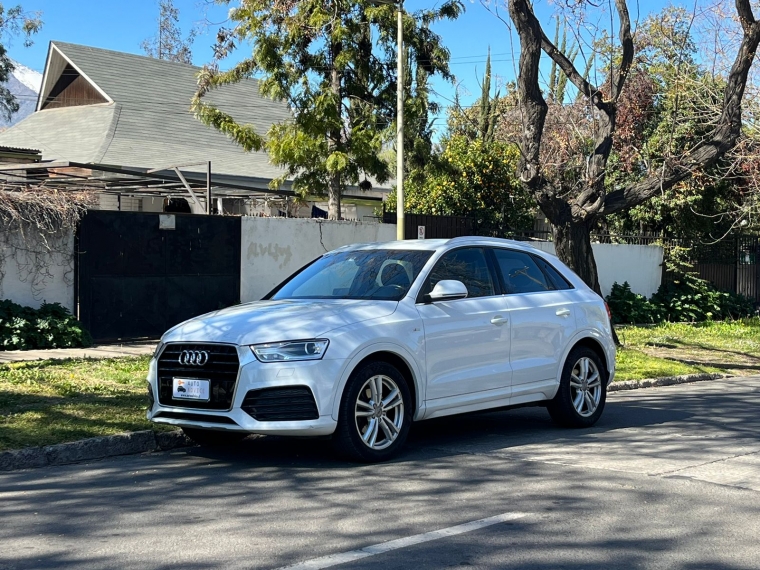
(498, 320)
(563, 312)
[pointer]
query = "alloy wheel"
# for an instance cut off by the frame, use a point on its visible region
(379, 412)
(585, 386)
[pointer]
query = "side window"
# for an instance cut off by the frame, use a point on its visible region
(559, 282)
(467, 265)
(520, 272)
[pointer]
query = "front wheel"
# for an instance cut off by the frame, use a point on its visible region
(582, 390)
(375, 413)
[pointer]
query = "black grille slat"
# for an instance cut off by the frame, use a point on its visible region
(197, 371)
(281, 404)
(221, 371)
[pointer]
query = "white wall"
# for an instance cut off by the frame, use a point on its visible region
(274, 248)
(640, 265)
(31, 274)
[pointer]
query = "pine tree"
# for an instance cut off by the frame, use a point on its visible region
(168, 43)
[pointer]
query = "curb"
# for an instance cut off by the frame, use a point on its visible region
(92, 448)
(667, 381)
(148, 440)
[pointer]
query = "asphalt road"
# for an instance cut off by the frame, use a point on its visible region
(669, 478)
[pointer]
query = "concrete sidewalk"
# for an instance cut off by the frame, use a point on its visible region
(101, 351)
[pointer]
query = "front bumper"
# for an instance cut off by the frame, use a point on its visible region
(319, 376)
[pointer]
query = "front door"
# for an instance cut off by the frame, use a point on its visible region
(466, 340)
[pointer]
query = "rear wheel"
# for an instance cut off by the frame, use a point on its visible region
(375, 413)
(582, 390)
(214, 438)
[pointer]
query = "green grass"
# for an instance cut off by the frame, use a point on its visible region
(633, 364)
(671, 349)
(742, 336)
(48, 402)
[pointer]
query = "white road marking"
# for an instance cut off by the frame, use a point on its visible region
(353, 555)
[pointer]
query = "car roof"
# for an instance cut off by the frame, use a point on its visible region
(438, 244)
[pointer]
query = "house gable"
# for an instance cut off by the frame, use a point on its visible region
(64, 84)
(72, 90)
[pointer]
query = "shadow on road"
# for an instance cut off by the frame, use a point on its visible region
(274, 501)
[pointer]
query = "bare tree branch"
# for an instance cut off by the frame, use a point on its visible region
(568, 68)
(626, 40)
(532, 103)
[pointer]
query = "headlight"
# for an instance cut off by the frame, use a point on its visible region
(291, 350)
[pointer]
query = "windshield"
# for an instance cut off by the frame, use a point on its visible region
(385, 274)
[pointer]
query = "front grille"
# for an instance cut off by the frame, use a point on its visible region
(197, 417)
(221, 370)
(294, 403)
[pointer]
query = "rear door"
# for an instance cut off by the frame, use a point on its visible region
(541, 310)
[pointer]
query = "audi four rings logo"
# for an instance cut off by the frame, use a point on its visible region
(193, 358)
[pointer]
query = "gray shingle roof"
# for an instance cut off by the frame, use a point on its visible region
(149, 124)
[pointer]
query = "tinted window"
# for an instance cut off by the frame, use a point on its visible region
(555, 276)
(467, 265)
(359, 274)
(520, 272)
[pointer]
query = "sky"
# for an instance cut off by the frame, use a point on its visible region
(122, 25)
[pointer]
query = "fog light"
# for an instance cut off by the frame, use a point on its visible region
(151, 399)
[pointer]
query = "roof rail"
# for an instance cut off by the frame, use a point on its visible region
(465, 238)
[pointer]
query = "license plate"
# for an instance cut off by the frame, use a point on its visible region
(190, 389)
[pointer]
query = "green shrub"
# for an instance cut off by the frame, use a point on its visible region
(686, 299)
(628, 307)
(50, 326)
(689, 298)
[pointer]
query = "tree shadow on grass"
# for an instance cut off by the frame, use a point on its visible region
(708, 348)
(38, 420)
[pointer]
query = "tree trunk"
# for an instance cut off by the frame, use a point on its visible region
(572, 242)
(333, 197)
(334, 138)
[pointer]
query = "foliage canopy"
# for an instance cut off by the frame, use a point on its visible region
(332, 62)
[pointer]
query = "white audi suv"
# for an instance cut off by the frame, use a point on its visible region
(369, 338)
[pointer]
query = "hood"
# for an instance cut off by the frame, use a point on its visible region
(273, 321)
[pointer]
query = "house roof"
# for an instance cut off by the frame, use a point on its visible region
(145, 121)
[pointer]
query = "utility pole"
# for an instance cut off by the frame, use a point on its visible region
(400, 125)
(399, 4)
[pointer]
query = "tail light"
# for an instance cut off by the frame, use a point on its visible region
(609, 313)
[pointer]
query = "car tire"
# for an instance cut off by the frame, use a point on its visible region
(582, 392)
(366, 431)
(214, 438)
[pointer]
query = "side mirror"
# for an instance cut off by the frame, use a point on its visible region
(448, 290)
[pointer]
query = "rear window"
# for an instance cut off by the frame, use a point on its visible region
(559, 282)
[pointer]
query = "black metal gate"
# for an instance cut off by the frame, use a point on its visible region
(139, 274)
(732, 264)
(435, 227)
